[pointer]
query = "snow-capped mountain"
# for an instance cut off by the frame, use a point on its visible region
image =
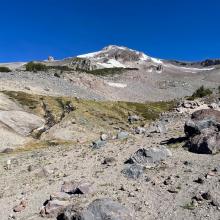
(118, 56)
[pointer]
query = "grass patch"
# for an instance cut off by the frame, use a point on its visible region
(42, 144)
(200, 93)
(92, 114)
(4, 69)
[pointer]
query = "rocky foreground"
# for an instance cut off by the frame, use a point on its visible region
(121, 167)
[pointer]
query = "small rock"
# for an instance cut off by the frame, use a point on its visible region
(27, 88)
(98, 144)
(62, 196)
(200, 180)
(8, 164)
(210, 175)
(213, 106)
(173, 190)
(108, 160)
(43, 173)
(169, 181)
(122, 135)
(206, 196)
(73, 187)
(7, 151)
(215, 202)
(20, 207)
(104, 137)
(133, 118)
(30, 168)
(140, 130)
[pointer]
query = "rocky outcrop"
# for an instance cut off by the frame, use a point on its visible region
(202, 131)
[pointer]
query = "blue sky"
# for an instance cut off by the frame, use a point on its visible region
(169, 29)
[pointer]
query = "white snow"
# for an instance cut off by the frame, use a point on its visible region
(111, 63)
(189, 69)
(88, 55)
(155, 60)
(197, 69)
(117, 85)
(144, 57)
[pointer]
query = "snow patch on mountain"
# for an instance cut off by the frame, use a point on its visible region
(117, 85)
(112, 63)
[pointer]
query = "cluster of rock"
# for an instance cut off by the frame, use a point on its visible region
(122, 135)
(61, 206)
(202, 131)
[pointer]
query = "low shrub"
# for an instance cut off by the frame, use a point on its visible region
(34, 67)
(200, 92)
(4, 69)
(108, 71)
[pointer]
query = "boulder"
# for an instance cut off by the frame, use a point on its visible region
(53, 208)
(73, 187)
(100, 209)
(150, 156)
(202, 131)
(205, 143)
(133, 171)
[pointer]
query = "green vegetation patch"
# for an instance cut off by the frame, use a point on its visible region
(101, 114)
(4, 69)
(200, 93)
(35, 67)
(109, 71)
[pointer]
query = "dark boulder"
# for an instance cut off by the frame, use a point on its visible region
(202, 131)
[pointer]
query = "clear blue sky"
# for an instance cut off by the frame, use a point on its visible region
(171, 29)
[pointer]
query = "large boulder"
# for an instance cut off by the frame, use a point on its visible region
(205, 143)
(144, 158)
(150, 156)
(100, 209)
(202, 131)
